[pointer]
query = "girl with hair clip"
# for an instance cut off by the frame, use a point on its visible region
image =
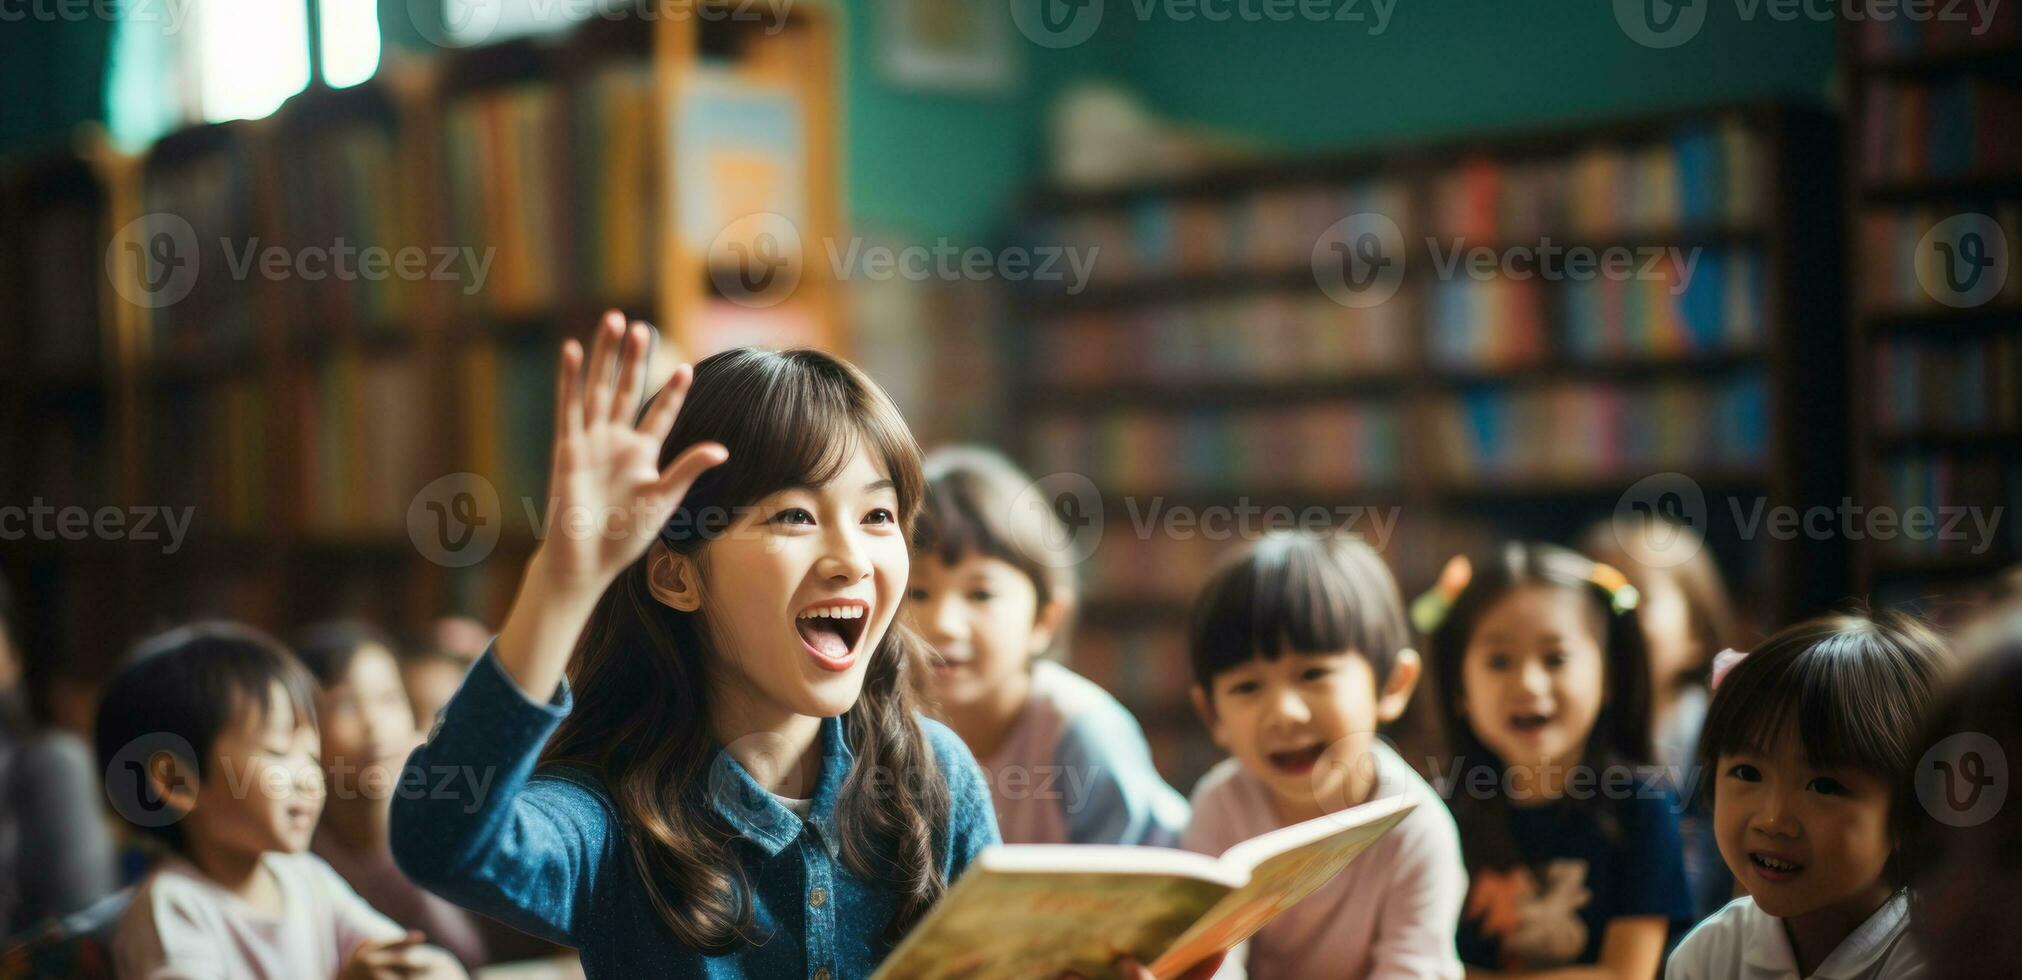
(1807, 739)
(1569, 836)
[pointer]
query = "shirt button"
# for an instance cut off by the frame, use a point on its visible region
(821, 974)
(817, 898)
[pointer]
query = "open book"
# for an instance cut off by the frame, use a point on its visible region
(1034, 910)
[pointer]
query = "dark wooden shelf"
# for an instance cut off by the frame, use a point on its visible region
(1686, 366)
(1181, 395)
(1998, 61)
(1944, 321)
(1896, 191)
(1949, 442)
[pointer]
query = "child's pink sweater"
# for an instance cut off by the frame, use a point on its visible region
(1391, 913)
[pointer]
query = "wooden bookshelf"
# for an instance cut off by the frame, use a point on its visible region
(1932, 134)
(301, 415)
(1205, 307)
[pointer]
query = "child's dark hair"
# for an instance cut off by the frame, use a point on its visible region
(1291, 591)
(1621, 733)
(327, 648)
(642, 720)
(1856, 686)
(180, 690)
(973, 508)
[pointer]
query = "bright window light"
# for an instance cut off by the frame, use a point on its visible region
(350, 41)
(255, 55)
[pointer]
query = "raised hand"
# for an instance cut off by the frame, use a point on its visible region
(608, 495)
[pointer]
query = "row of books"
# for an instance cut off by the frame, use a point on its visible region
(1968, 384)
(615, 177)
(504, 428)
(208, 447)
(1961, 126)
(1943, 28)
(363, 426)
(63, 258)
(1702, 176)
(346, 187)
(1673, 303)
(1600, 431)
(1270, 230)
(205, 222)
(1267, 337)
(1962, 506)
(1328, 447)
(503, 150)
(1142, 557)
(1903, 261)
(1147, 666)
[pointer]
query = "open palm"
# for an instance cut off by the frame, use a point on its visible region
(608, 494)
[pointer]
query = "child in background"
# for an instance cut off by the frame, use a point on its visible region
(991, 592)
(434, 666)
(368, 729)
(208, 740)
(1962, 843)
(1571, 837)
(1687, 616)
(1300, 651)
(746, 788)
(1807, 739)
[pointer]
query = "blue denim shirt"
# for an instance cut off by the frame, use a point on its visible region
(545, 851)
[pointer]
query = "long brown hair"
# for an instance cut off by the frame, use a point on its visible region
(642, 717)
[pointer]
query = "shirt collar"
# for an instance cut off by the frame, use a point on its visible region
(756, 815)
(1768, 945)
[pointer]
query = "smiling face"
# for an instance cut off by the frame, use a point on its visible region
(263, 788)
(981, 617)
(800, 591)
(367, 723)
(1303, 723)
(1802, 840)
(1533, 677)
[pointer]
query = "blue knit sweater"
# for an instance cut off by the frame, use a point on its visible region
(545, 851)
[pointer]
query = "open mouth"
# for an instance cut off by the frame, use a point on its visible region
(1529, 723)
(830, 631)
(1297, 761)
(1773, 868)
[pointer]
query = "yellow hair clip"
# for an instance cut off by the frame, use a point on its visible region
(1621, 595)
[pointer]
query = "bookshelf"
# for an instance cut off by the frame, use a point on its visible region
(1206, 366)
(1932, 135)
(486, 202)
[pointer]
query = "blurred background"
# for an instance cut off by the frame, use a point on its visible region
(281, 284)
